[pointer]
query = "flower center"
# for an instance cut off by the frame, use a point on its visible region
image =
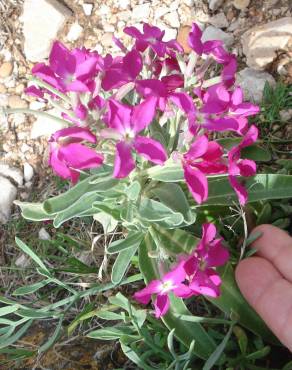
(129, 135)
(166, 286)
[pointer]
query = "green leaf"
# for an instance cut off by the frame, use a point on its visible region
(122, 263)
(133, 356)
(167, 173)
(132, 240)
(108, 315)
(218, 351)
(255, 152)
(173, 197)
(231, 302)
(133, 190)
(259, 187)
(8, 309)
(33, 211)
(83, 204)
(153, 211)
(53, 338)
(13, 338)
(36, 314)
(185, 332)
(26, 249)
(29, 289)
(173, 240)
(107, 221)
(111, 333)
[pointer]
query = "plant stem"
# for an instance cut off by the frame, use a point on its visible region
(51, 89)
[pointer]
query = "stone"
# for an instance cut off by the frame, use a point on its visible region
(215, 4)
(87, 8)
(107, 39)
(43, 234)
(189, 3)
(15, 101)
(241, 4)
(3, 100)
(182, 38)
(2, 89)
(219, 20)
(37, 105)
(6, 69)
(75, 32)
(286, 115)
(8, 194)
(124, 4)
(43, 126)
(213, 33)
(18, 119)
(28, 172)
(253, 83)
(23, 261)
(160, 12)
(42, 20)
(172, 19)
(13, 173)
(141, 12)
(261, 43)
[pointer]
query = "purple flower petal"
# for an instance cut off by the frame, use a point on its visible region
(124, 162)
(119, 115)
(143, 114)
(77, 133)
(161, 305)
(197, 183)
(176, 275)
(198, 148)
(79, 156)
(132, 64)
(217, 254)
(194, 39)
(144, 295)
(239, 189)
(150, 149)
(182, 291)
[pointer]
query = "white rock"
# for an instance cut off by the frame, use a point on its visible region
(215, 4)
(87, 8)
(104, 10)
(42, 19)
(28, 172)
(170, 33)
(22, 261)
(241, 4)
(18, 119)
(141, 12)
(24, 148)
(160, 12)
(189, 2)
(253, 83)
(213, 33)
(261, 43)
(124, 4)
(43, 126)
(3, 100)
(12, 172)
(286, 115)
(219, 20)
(37, 105)
(172, 19)
(75, 32)
(8, 194)
(44, 235)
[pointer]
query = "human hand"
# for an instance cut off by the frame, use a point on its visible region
(265, 280)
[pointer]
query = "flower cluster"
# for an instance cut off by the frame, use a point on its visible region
(193, 275)
(111, 102)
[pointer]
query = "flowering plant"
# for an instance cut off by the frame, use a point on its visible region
(151, 140)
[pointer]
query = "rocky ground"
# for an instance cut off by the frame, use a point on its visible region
(258, 31)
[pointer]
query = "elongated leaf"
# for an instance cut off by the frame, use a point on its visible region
(122, 263)
(173, 197)
(167, 173)
(83, 204)
(218, 351)
(26, 249)
(53, 338)
(133, 356)
(111, 333)
(153, 211)
(259, 187)
(108, 315)
(29, 289)
(176, 241)
(232, 301)
(107, 221)
(33, 211)
(13, 338)
(65, 200)
(185, 332)
(132, 240)
(8, 309)
(35, 314)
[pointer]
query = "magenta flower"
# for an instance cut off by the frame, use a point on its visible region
(170, 282)
(125, 123)
(203, 158)
(68, 70)
(127, 70)
(199, 267)
(152, 37)
(68, 155)
(213, 47)
(241, 167)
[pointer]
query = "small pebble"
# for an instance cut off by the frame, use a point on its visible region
(6, 69)
(2, 89)
(241, 4)
(87, 8)
(14, 101)
(43, 234)
(27, 172)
